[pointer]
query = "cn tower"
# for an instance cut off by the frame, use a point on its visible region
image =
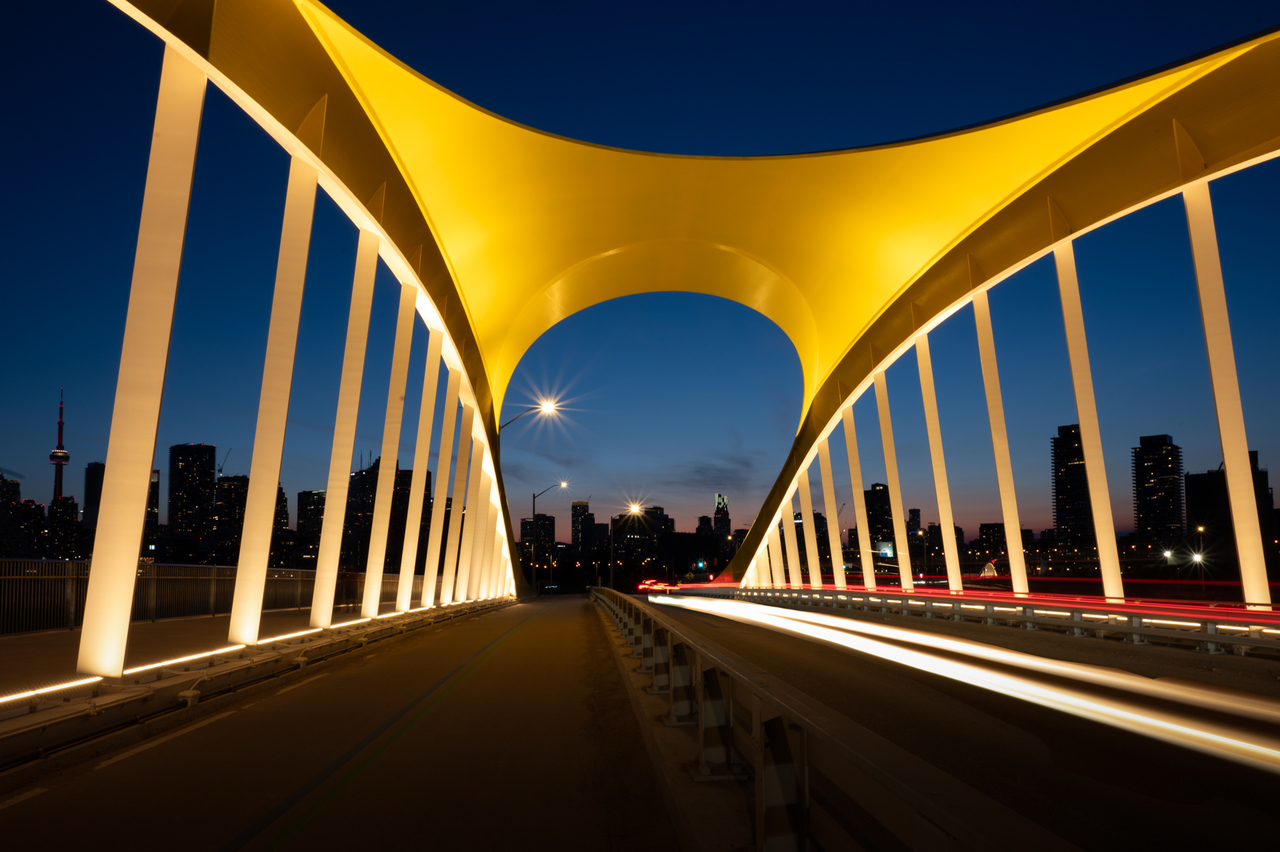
(59, 457)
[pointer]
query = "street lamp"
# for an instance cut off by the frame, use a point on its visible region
(547, 406)
(533, 545)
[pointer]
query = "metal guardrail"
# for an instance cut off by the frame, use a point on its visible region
(39, 725)
(1217, 632)
(40, 594)
(820, 779)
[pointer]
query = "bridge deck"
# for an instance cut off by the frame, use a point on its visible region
(508, 730)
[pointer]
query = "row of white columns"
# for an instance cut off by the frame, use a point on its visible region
(477, 557)
(777, 564)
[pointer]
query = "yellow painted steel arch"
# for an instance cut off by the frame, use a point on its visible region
(848, 252)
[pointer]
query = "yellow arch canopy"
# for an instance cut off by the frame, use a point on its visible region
(534, 227)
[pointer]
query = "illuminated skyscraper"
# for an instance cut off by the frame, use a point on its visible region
(1157, 489)
(1072, 509)
(59, 457)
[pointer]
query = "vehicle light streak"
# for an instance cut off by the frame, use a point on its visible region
(1167, 725)
(185, 659)
(20, 695)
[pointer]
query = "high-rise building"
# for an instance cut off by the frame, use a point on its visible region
(704, 526)
(991, 539)
(192, 489)
(722, 525)
(879, 516)
(151, 522)
(583, 523)
(63, 536)
(231, 494)
(1072, 510)
(1157, 489)
(59, 457)
(93, 475)
(310, 520)
(539, 530)
(1209, 524)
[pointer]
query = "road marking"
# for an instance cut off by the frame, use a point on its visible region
(22, 798)
(301, 683)
(164, 739)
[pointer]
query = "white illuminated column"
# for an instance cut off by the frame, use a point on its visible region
(1000, 441)
(344, 431)
(452, 542)
(863, 539)
(902, 545)
(444, 456)
(490, 537)
(946, 520)
(777, 568)
(273, 405)
(795, 579)
(1087, 413)
(833, 514)
(474, 525)
(810, 534)
(388, 464)
(144, 357)
(1226, 395)
(418, 487)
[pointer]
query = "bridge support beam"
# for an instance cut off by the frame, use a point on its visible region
(901, 545)
(941, 488)
(1226, 394)
(1000, 441)
(144, 359)
(792, 555)
(1095, 467)
(476, 527)
(862, 541)
(418, 485)
(344, 430)
(833, 514)
(461, 476)
(777, 567)
(389, 464)
(273, 405)
(444, 455)
(810, 534)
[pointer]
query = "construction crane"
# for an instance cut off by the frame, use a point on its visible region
(6, 472)
(224, 460)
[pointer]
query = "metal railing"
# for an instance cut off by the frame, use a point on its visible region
(40, 594)
(820, 780)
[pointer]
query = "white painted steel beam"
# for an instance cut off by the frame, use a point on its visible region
(144, 357)
(795, 578)
(810, 534)
(1226, 394)
(946, 520)
(458, 501)
(389, 463)
(444, 457)
(418, 483)
(475, 526)
(1064, 258)
(1000, 441)
(862, 541)
(901, 544)
(833, 514)
(273, 405)
(344, 431)
(777, 569)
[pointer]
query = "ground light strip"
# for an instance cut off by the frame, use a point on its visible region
(20, 695)
(1216, 740)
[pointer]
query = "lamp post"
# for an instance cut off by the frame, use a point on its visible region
(533, 545)
(547, 406)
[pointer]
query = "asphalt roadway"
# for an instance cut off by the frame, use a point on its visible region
(510, 730)
(1094, 785)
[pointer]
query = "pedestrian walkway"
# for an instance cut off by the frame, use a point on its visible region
(509, 730)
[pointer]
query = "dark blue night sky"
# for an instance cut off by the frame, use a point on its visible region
(672, 397)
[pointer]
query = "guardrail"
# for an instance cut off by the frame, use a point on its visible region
(820, 780)
(37, 594)
(1212, 631)
(37, 725)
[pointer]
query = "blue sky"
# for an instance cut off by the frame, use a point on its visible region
(672, 397)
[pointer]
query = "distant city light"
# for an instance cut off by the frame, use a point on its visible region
(1197, 557)
(1168, 553)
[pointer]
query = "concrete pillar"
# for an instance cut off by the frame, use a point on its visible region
(435, 541)
(344, 431)
(390, 452)
(946, 520)
(859, 500)
(1226, 395)
(833, 514)
(273, 405)
(901, 544)
(460, 477)
(1087, 413)
(418, 487)
(144, 357)
(1000, 441)
(810, 534)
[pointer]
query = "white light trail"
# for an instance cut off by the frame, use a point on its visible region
(1169, 726)
(186, 659)
(28, 694)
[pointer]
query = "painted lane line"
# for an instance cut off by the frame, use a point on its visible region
(301, 683)
(159, 740)
(30, 794)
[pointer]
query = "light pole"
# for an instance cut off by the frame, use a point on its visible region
(547, 406)
(533, 545)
